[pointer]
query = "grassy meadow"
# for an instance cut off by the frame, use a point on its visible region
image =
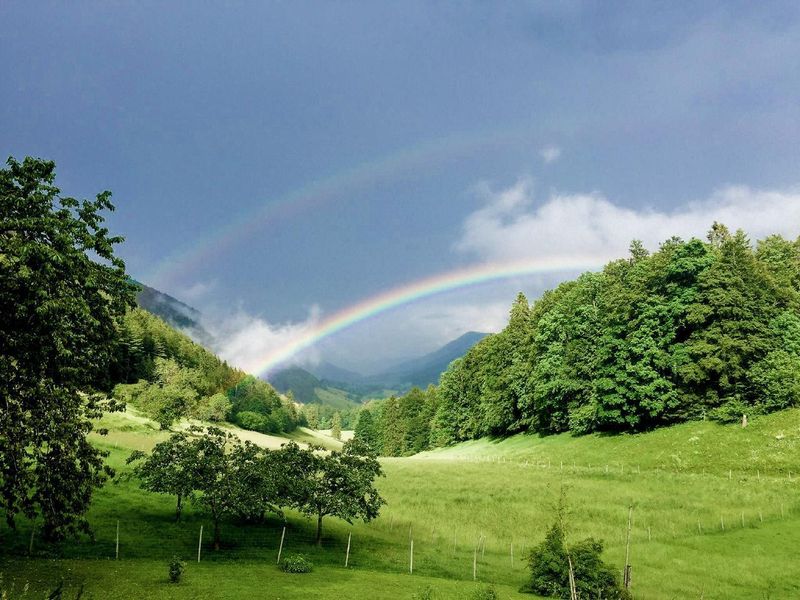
(716, 515)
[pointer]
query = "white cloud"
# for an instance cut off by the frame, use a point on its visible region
(512, 226)
(196, 291)
(244, 340)
(550, 154)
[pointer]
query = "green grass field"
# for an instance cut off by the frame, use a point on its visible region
(684, 483)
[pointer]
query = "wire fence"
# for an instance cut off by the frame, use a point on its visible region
(388, 544)
(409, 541)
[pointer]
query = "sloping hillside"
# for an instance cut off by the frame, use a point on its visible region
(175, 313)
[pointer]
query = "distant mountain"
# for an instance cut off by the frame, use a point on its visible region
(329, 372)
(427, 369)
(301, 383)
(175, 313)
(308, 389)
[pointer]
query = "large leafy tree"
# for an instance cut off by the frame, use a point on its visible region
(62, 293)
(731, 316)
(366, 429)
(393, 428)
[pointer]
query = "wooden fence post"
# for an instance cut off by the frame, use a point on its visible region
(627, 573)
(30, 545)
(200, 543)
(347, 556)
(411, 559)
(475, 564)
(116, 556)
(280, 548)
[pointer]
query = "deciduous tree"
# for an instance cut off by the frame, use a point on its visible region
(62, 294)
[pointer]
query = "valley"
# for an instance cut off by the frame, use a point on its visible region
(472, 501)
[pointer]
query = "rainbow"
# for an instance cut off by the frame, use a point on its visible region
(417, 290)
(361, 175)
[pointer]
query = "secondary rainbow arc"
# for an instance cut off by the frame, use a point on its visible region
(360, 175)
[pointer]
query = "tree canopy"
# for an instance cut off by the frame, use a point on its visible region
(228, 477)
(63, 292)
(697, 329)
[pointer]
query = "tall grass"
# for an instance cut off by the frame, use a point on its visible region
(482, 497)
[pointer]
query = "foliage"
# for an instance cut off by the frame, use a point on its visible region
(488, 592)
(696, 329)
(169, 377)
(365, 429)
(296, 563)
(399, 426)
(549, 563)
(215, 470)
(62, 295)
(169, 469)
(340, 484)
(176, 569)
(336, 426)
(229, 478)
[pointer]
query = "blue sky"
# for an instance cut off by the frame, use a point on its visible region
(442, 134)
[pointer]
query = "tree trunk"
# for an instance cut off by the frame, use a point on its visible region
(178, 508)
(319, 529)
(216, 534)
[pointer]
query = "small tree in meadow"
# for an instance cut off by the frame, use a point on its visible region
(342, 484)
(217, 476)
(549, 565)
(169, 469)
(336, 426)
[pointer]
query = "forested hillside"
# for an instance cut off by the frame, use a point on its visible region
(698, 329)
(168, 376)
(175, 313)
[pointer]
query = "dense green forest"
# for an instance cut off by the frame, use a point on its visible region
(168, 376)
(698, 329)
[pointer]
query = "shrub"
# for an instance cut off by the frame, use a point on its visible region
(296, 563)
(549, 566)
(176, 568)
(485, 593)
(251, 420)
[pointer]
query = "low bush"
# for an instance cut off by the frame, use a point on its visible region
(296, 563)
(176, 568)
(485, 593)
